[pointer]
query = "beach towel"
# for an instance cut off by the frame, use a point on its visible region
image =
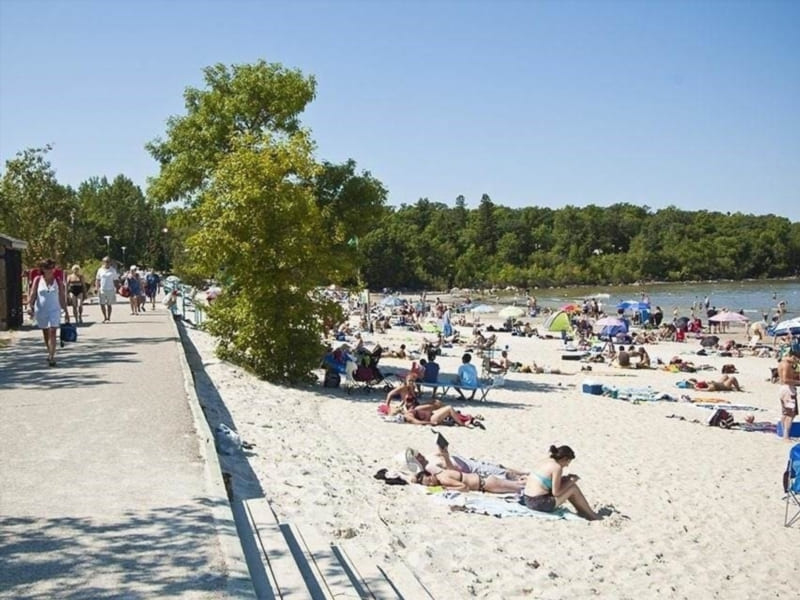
(637, 395)
(495, 505)
(726, 405)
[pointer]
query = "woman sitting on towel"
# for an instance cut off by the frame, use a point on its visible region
(547, 487)
(406, 392)
(644, 359)
(469, 482)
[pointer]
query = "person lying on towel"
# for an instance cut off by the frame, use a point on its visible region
(454, 479)
(456, 462)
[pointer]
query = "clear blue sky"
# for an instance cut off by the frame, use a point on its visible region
(692, 103)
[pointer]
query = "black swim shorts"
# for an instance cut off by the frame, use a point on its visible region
(543, 503)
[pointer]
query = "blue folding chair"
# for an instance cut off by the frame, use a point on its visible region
(791, 485)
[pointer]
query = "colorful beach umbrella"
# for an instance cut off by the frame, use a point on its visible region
(728, 317)
(512, 312)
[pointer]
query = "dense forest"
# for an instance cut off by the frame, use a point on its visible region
(431, 245)
(427, 245)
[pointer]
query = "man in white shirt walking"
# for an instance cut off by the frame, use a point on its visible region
(106, 285)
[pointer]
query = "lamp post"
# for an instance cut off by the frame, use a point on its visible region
(108, 244)
(123, 254)
(164, 248)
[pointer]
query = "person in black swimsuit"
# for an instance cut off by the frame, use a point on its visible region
(76, 288)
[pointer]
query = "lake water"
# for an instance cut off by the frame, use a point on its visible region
(754, 297)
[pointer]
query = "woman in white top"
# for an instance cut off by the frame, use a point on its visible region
(46, 301)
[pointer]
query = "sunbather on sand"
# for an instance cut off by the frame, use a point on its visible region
(547, 488)
(429, 346)
(534, 368)
(728, 383)
(400, 353)
(469, 482)
(502, 365)
(406, 393)
(456, 462)
(438, 414)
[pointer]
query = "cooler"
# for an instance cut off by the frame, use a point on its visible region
(794, 431)
(592, 387)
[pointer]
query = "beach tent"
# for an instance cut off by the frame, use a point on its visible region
(610, 326)
(557, 322)
(633, 305)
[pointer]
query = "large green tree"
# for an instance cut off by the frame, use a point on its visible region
(36, 208)
(245, 170)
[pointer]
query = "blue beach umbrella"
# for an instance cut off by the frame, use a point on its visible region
(633, 305)
(790, 327)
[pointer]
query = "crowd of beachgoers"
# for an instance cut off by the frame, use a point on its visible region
(592, 455)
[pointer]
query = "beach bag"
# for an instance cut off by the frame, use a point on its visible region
(68, 333)
(721, 418)
(125, 291)
(332, 379)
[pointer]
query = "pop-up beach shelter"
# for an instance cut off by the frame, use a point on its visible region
(557, 322)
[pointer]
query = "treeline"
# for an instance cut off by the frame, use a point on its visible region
(79, 226)
(434, 246)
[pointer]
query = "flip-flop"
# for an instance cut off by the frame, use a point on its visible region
(411, 461)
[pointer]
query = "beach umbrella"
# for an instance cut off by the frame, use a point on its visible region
(790, 327)
(482, 308)
(610, 326)
(391, 301)
(633, 305)
(728, 317)
(606, 321)
(512, 312)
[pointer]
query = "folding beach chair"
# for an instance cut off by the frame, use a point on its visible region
(791, 485)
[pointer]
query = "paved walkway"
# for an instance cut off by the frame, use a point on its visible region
(108, 488)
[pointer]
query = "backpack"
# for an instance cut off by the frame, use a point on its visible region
(721, 418)
(332, 379)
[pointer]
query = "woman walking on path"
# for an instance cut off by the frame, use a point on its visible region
(134, 284)
(46, 301)
(76, 287)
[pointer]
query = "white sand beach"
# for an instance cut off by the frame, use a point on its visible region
(695, 511)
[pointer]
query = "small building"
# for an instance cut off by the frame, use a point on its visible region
(12, 313)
